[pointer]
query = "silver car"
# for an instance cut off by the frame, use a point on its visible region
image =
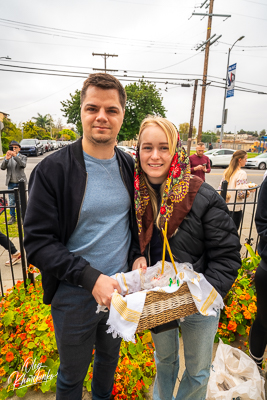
(259, 161)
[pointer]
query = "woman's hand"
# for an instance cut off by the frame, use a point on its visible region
(140, 263)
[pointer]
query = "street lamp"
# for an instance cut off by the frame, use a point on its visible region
(225, 89)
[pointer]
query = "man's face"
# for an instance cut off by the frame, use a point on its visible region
(16, 149)
(101, 115)
(200, 150)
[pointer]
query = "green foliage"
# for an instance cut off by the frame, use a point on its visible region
(240, 302)
(29, 356)
(208, 137)
(10, 132)
(143, 98)
(31, 131)
(43, 121)
(184, 130)
(72, 110)
(66, 134)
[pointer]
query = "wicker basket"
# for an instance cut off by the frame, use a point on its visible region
(160, 307)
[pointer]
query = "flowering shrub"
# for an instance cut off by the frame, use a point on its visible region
(29, 356)
(240, 302)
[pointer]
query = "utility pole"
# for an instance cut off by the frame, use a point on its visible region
(205, 73)
(105, 55)
(192, 119)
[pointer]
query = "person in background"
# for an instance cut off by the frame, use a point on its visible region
(15, 164)
(210, 146)
(237, 179)
(199, 163)
(78, 233)
(200, 232)
(258, 330)
(8, 245)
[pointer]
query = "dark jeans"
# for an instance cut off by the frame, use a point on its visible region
(236, 217)
(258, 331)
(5, 242)
(12, 202)
(78, 329)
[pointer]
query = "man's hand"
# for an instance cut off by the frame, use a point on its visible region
(10, 154)
(199, 167)
(140, 263)
(103, 289)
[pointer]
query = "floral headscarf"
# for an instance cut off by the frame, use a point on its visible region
(176, 188)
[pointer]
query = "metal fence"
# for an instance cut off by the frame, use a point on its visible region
(248, 204)
(9, 275)
(247, 230)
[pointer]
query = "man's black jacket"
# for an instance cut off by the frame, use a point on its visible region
(56, 190)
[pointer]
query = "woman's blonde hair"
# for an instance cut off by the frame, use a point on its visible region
(234, 163)
(172, 136)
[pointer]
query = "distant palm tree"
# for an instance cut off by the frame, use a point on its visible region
(43, 121)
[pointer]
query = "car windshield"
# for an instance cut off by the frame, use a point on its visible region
(27, 141)
(210, 151)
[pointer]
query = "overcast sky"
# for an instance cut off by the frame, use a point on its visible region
(152, 38)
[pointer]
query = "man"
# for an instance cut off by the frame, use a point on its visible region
(199, 163)
(210, 146)
(14, 163)
(77, 232)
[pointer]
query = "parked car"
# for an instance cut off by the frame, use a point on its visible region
(31, 147)
(128, 149)
(259, 161)
(220, 157)
(50, 141)
(55, 144)
(46, 145)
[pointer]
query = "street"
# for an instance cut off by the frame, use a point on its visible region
(213, 178)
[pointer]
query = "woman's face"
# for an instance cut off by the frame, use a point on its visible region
(155, 157)
(242, 161)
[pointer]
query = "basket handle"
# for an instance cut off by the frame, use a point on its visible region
(166, 243)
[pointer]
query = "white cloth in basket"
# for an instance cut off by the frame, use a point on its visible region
(126, 308)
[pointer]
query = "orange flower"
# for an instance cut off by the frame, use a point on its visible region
(2, 371)
(242, 297)
(232, 326)
(1, 361)
(252, 308)
(43, 359)
(247, 315)
(254, 298)
(244, 308)
(223, 326)
(247, 330)
(9, 356)
(247, 297)
(5, 349)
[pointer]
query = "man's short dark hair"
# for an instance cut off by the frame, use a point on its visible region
(201, 144)
(104, 81)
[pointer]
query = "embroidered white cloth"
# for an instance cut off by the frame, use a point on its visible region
(126, 308)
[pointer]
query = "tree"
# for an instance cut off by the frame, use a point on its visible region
(43, 121)
(30, 131)
(184, 130)
(208, 137)
(66, 134)
(143, 98)
(262, 132)
(72, 110)
(9, 132)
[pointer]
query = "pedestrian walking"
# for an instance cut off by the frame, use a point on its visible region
(237, 179)
(258, 330)
(9, 246)
(78, 233)
(200, 232)
(199, 163)
(210, 146)
(15, 164)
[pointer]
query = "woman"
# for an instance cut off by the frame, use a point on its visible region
(200, 232)
(258, 331)
(237, 179)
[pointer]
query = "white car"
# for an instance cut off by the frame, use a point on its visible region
(220, 157)
(127, 150)
(259, 162)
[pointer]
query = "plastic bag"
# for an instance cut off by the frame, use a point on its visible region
(154, 278)
(234, 376)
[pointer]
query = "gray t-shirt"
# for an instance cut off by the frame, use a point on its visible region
(102, 235)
